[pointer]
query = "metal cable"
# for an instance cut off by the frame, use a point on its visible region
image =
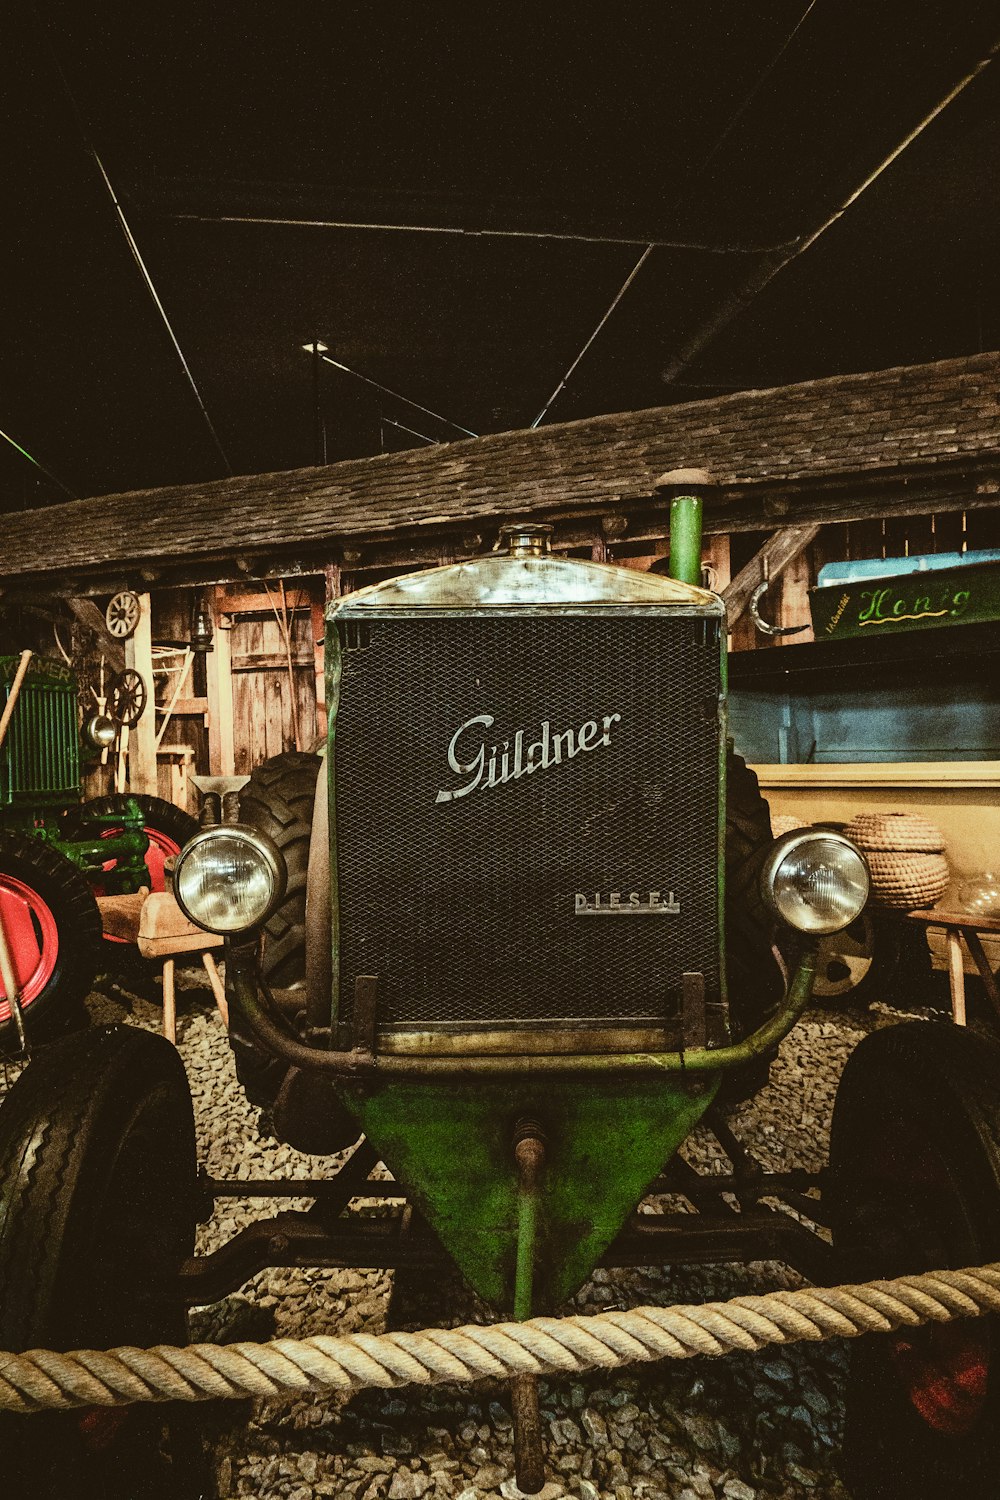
(38, 465)
(727, 129)
(386, 391)
(130, 240)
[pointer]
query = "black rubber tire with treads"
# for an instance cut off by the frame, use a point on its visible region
(58, 1006)
(915, 1186)
(97, 1158)
(278, 799)
(754, 978)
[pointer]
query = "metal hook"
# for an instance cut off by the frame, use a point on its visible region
(762, 624)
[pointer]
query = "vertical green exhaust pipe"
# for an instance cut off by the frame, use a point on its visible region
(685, 489)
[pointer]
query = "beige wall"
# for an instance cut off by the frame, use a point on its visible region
(962, 798)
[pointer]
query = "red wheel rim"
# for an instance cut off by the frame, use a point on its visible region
(33, 938)
(161, 846)
(944, 1368)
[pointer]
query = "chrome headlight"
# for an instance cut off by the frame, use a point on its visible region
(100, 731)
(229, 878)
(815, 880)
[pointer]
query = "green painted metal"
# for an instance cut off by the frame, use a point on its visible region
(685, 539)
(870, 607)
(527, 1249)
(40, 757)
(453, 1148)
(127, 848)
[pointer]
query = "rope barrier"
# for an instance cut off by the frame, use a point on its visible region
(41, 1378)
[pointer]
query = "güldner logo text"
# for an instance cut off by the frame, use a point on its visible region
(486, 765)
(625, 904)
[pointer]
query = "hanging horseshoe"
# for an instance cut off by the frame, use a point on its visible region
(761, 624)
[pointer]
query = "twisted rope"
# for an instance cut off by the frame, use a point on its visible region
(41, 1378)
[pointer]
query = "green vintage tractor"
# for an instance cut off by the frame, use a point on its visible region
(513, 937)
(57, 855)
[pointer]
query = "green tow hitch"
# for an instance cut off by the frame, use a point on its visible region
(529, 1154)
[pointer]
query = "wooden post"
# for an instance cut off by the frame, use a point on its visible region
(169, 1002)
(221, 741)
(142, 741)
(793, 608)
(956, 975)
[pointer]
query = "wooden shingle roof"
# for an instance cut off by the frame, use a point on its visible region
(906, 421)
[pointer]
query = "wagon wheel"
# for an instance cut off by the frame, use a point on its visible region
(122, 614)
(127, 697)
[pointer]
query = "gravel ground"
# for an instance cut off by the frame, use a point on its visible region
(739, 1427)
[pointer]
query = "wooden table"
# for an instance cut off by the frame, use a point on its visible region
(958, 925)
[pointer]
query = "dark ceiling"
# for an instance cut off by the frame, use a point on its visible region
(735, 127)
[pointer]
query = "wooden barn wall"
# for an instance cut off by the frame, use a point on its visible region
(277, 707)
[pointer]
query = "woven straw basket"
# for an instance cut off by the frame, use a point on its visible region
(906, 857)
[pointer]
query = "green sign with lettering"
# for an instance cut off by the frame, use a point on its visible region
(871, 607)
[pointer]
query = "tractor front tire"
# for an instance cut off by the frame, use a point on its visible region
(754, 979)
(97, 1160)
(53, 930)
(915, 1181)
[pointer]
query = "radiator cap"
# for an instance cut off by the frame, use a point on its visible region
(528, 540)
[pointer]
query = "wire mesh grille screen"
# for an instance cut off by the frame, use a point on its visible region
(461, 890)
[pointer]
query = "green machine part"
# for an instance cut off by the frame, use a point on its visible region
(605, 1140)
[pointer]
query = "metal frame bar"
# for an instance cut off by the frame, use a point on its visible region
(329, 1235)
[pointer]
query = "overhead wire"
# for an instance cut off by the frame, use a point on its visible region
(766, 273)
(283, 221)
(38, 465)
(727, 129)
(130, 240)
(402, 427)
(337, 364)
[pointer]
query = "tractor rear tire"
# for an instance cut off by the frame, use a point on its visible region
(278, 800)
(915, 1177)
(54, 931)
(97, 1159)
(753, 975)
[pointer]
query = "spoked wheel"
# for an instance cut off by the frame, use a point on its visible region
(53, 931)
(97, 1159)
(915, 1155)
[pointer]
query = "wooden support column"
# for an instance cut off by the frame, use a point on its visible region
(142, 739)
(221, 742)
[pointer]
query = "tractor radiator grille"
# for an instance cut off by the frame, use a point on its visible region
(466, 906)
(40, 759)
